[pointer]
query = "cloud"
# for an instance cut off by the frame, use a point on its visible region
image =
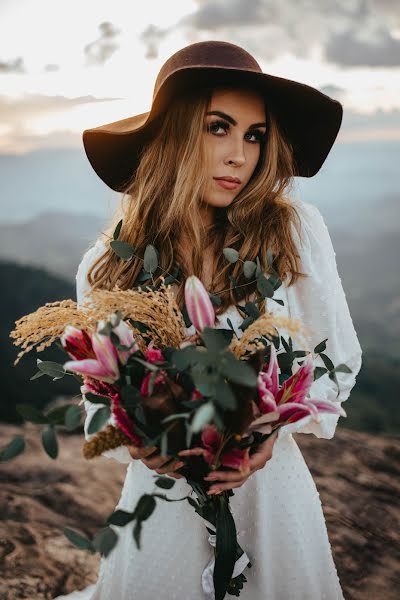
(213, 15)
(101, 50)
(380, 50)
(18, 114)
(334, 91)
(270, 27)
(14, 110)
(152, 37)
(13, 66)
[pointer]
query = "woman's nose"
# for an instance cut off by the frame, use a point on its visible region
(236, 153)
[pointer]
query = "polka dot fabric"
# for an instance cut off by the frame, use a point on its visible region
(278, 512)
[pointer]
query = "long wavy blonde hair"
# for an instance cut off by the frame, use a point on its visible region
(162, 203)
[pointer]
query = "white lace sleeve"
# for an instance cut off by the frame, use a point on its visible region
(319, 301)
(121, 453)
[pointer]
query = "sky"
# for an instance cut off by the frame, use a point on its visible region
(66, 66)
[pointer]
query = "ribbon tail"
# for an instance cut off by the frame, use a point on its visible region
(207, 578)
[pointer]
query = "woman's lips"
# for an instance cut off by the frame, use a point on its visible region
(227, 185)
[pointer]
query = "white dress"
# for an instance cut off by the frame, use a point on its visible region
(278, 512)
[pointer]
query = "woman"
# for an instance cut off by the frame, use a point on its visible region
(206, 168)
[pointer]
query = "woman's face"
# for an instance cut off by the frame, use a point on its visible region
(235, 124)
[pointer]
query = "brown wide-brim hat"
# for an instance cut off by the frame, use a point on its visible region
(309, 119)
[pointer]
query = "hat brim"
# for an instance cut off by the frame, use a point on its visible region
(309, 119)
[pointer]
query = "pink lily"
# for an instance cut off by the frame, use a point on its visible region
(153, 355)
(198, 304)
(235, 458)
(125, 335)
(288, 403)
(122, 419)
(105, 364)
(158, 384)
(77, 343)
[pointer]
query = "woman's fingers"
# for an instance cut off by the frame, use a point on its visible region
(220, 487)
(141, 452)
(263, 453)
(232, 475)
(177, 464)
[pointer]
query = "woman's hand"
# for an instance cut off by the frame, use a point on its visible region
(161, 464)
(232, 478)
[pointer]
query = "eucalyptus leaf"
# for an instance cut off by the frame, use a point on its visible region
(150, 259)
(78, 540)
(327, 361)
(105, 540)
(224, 395)
(164, 444)
(249, 268)
(137, 530)
(57, 415)
(342, 368)
(97, 399)
(237, 371)
(144, 507)
(120, 518)
(13, 448)
(106, 329)
(174, 417)
(225, 551)
(31, 414)
(51, 368)
(130, 396)
(216, 339)
(318, 372)
(215, 299)
(321, 347)
(231, 254)
(145, 363)
(99, 419)
(49, 441)
(72, 417)
(258, 269)
(246, 322)
(36, 375)
(117, 230)
(165, 483)
(202, 417)
(143, 276)
(252, 310)
(183, 358)
(124, 250)
(264, 286)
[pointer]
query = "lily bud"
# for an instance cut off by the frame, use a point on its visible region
(198, 304)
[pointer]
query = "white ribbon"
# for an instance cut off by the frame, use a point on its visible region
(208, 573)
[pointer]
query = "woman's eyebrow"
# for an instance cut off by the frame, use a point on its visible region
(231, 120)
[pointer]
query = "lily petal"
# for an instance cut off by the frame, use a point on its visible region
(296, 387)
(89, 367)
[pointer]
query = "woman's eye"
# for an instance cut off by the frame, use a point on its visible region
(213, 127)
(216, 125)
(258, 136)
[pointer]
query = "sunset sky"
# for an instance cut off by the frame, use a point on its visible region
(67, 66)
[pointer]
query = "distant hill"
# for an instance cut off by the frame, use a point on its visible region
(52, 240)
(24, 289)
(372, 405)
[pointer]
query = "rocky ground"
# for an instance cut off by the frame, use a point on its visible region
(357, 475)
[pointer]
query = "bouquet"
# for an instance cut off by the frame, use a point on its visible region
(210, 402)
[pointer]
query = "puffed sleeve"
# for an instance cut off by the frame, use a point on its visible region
(83, 288)
(319, 302)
